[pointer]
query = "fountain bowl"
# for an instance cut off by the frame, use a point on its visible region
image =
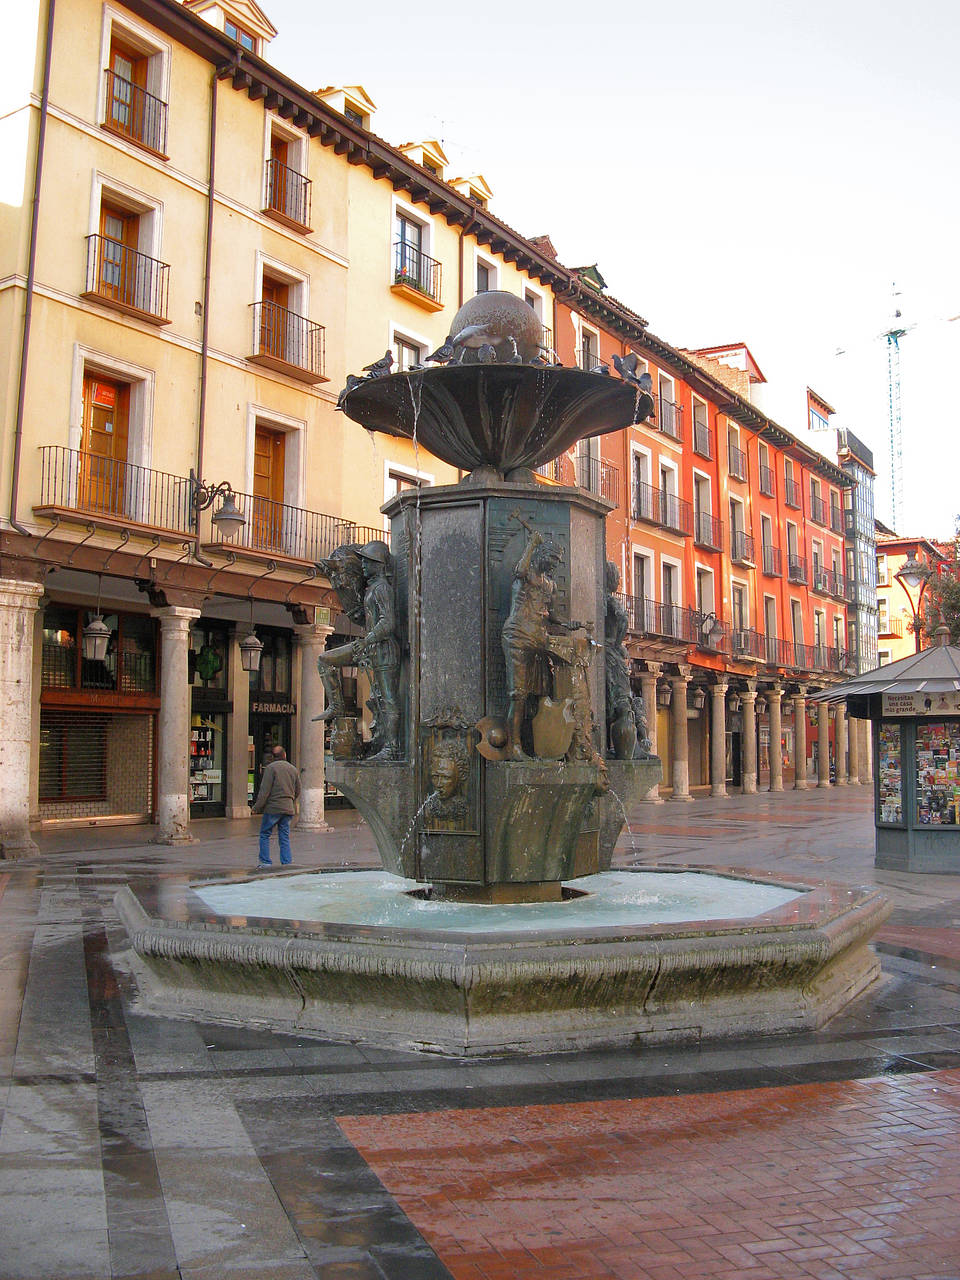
(575, 978)
(503, 416)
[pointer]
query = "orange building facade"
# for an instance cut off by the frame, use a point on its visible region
(728, 534)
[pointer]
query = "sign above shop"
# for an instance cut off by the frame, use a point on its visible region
(922, 704)
(264, 708)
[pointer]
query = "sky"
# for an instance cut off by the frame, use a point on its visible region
(768, 172)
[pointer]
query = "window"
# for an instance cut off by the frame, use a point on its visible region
(882, 580)
(736, 458)
(413, 268)
(883, 657)
(122, 269)
(668, 412)
(701, 430)
(245, 39)
(287, 189)
(741, 615)
(353, 115)
(817, 421)
(407, 353)
(136, 70)
(283, 337)
(883, 616)
(671, 608)
(643, 498)
(705, 600)
(589, 349)
(484, 275)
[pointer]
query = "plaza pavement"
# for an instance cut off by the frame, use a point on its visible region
(132, 1145)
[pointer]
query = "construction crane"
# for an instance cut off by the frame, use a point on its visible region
(893, 336)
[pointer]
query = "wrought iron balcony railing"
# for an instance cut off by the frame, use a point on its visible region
(796, 567)
(818, 509)
(588, 358)
(551, 470)
(86, 482)
(134, 113)
(62, 666)
(598, 476)
(671, 621)
(766, 480)
(288, 194)
(546, 341)
(287, 342)
(742, 547)
(890, 627)
(126, 279)
(415, 269)
(702, 440)
(281, 529)
(708, 530)
(737, 462)
(821, 580)
(745, 642)
(791, 493)
(670, 418)
(662, 508)
(772, 561)
(836, 518)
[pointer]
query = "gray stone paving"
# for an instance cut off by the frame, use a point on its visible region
(132, 1145)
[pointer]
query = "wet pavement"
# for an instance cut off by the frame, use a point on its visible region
(132, 1145)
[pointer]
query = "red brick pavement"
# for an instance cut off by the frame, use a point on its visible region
(932, 941)
(854, 1180)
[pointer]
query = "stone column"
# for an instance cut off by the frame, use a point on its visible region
(774, 695)
(840, 741)
(648, 686)
(19, 601)
(823, 744)
(238, 726)
(311, 639)
(173, 803)
(718, 739)
(680, 763)
(800, 740)
(853, 752)
(748, 716)
(866, 753)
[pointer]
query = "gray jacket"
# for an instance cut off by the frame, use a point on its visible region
(279, 788)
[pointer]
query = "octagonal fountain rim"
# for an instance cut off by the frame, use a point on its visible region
(808, 904)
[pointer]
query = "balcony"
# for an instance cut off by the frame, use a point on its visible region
(745, 642)
(126, 280)
(777, 653)
(671, 621)
(599, 477)
(708, 530)
(836, 518)
(890, 629)
(772, 561)
(670, 418)
(588, 358)
(818, 509)
(702, 440)
(288, 343)
(416, 276)
(62, 666)
(546, 342)
(796, 568)
(791, 494)
(821, 581)
(275, 528)
(135, 114)
(766, 481)
(72, 481)
(736, 462)
(662, 508)
(551, 471)
(742, 547)
(288, 196)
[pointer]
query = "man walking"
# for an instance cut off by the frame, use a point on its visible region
(279, 790)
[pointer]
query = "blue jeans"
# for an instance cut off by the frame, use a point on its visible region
(282, 822)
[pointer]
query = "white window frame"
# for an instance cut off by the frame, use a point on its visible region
(158, 53)
(276, 125)
(796, 611)
(676, 564)
(699, 476)
(299, 280)
(743, 585)
(884, 657)
(148, 209)
(670, 467)
(493, 267)
(540, 297)
(882, 567)
(401, 469)
(294, 464)
(768, 599)
(638, 450)
(582, 327)
(401, 209)
(705, 572)
(404, 333)
(142, 383)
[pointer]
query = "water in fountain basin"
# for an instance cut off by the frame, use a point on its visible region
(610, 900)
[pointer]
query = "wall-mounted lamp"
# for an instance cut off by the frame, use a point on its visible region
(733, 703)
(711, 628)
(698, 696)
(664, 694)
(227, 518)
(250, 647)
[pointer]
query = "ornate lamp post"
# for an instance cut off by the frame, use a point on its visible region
(913, 574)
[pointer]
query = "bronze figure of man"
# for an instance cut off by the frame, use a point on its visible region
(379, 648)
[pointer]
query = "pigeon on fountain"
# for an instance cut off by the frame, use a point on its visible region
(601, 368)
(380, 368)
(443, 354)
(352, 381)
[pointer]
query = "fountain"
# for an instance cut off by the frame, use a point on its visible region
(503, 751)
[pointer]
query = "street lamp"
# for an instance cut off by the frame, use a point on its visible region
(227, 518)
(913, 574)
(96, 634)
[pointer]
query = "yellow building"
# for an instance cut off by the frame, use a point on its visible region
(195, 253)
(899, 603)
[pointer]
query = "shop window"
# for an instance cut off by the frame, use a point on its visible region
(207, 657)
(273, 675)
(130, 665)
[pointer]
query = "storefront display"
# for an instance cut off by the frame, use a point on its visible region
(938, 783)
(206, 759)
(208, 670)
(890, 775)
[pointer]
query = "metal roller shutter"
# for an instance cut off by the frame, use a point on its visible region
(95, 764)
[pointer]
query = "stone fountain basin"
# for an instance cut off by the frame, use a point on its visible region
(611, 967)
(499, 415)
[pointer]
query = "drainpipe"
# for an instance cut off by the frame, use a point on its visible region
(31, 270)
(207, 256)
